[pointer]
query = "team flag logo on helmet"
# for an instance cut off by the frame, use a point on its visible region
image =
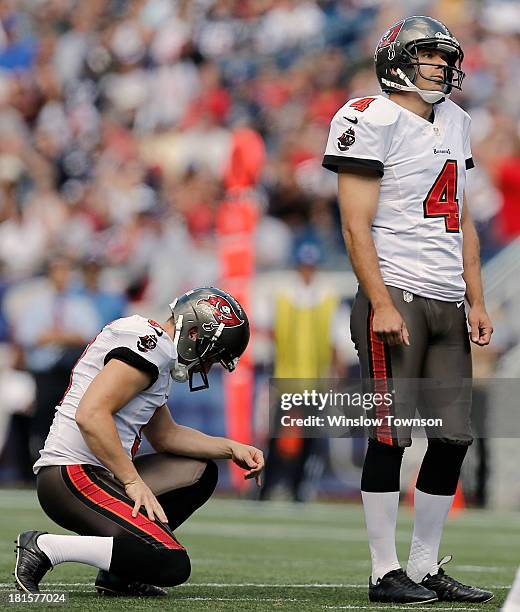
(390, 35)
(223, 312)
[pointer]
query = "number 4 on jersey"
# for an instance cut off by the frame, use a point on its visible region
(441, 200)
(362, 104)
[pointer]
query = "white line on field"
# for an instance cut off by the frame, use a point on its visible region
(394, 607)
(260, 585)
(48, 585)
(226, 585)
(479, 568)
(279, 599)
(285, 599)
(307, 585)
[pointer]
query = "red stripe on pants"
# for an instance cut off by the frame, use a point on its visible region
(88, 488)
(384, 431)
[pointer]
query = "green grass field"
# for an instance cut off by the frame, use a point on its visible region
(278, 556)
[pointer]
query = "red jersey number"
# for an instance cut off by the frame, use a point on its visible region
(363, 104)
(441, 200)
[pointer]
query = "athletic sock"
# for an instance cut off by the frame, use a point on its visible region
(381, 517)
(92, 550)
(430, 513)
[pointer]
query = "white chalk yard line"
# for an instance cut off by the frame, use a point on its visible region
(279, 599)
(299, 600)
(394, 607)
(228, 585)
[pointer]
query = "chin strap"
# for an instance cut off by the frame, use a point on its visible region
(179, 371)
(218, 332)
(202, 371)
(178, 329)
(182, 373)
(426, 94)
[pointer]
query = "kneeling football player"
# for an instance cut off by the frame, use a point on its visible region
(124, 510)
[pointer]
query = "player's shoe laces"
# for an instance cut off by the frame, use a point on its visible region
(449, 589)
(110, 584)
(397, 587)
(31, 562)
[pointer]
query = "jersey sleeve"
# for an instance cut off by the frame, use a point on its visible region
(140, 349)
(467, 143)
(359, 141)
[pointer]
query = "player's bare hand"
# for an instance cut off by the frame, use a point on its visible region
(480, 324)
(250, 459)
(389, 326)
(139, 492)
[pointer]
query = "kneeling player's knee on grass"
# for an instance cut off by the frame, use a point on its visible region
(136, 559)
(174, 568)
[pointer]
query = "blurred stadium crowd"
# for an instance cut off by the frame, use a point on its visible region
(116, 124)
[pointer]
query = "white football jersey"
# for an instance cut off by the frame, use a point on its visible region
(423, 165)
(137, 341)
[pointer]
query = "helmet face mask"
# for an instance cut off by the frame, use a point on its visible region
(452, 73)
(210, 327)
(398, 64)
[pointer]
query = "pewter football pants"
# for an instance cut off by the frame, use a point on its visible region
(432, 375)
(88, 500)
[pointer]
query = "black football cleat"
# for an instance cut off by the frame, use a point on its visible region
(449, 589)
(31, 562)
(112, 585)
(397, 587)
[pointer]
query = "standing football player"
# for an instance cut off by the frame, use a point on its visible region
(401, 160)
(125, 510)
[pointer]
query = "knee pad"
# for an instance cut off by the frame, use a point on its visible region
(440, 468)
(382, 468)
